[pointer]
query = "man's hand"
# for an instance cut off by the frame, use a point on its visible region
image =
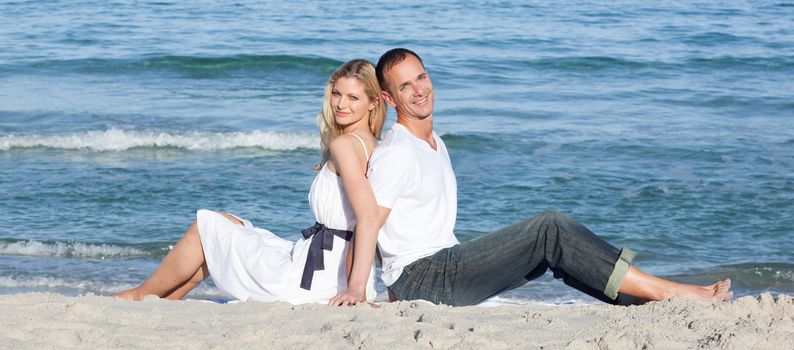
(347, 298)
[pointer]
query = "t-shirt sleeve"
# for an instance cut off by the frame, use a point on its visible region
(390, 174)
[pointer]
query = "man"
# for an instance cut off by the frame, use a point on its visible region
(416, 192)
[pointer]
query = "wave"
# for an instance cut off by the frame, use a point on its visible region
(714, 39)
(41, 283)
(194, 66)
(566, 300)
(121, 140)
(752, 277)
(733, 62)
(599, 63)
(588, 63)
(201, 67)
(472, 142)
(76, 286)
(759, 274)
(74, 250)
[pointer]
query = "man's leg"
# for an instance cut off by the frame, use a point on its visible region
(471, 272)
(514, 255)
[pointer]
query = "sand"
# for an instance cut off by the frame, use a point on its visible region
(42, 321)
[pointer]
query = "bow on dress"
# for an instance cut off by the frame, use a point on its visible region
(322, 239)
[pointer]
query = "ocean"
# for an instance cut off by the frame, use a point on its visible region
(665, 127)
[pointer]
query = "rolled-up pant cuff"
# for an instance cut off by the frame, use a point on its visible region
(619, 272)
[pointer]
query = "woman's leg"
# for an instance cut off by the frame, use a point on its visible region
(647, 287)
(178, 271)
(178, 266)
(180, 291)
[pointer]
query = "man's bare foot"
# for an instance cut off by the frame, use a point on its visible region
(720, 291)
(646, 287)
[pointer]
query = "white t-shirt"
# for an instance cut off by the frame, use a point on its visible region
(417, 183)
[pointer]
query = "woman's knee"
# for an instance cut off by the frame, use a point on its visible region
(231, 218)
(200, 275)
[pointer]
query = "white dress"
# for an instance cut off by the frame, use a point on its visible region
(248, 262)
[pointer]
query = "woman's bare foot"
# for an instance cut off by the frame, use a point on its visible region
(129, 294)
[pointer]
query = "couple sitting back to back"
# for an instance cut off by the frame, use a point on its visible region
(401, 198)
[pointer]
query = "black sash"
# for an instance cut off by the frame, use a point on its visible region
(322, 239)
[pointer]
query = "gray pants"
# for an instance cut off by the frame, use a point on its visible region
(471, 272)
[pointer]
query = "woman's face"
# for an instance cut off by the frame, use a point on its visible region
(349, 101)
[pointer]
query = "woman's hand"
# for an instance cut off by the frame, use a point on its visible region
(347, 298)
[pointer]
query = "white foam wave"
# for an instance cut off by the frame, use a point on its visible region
(44, 283)
(774, 273)
(63, 249)
(120, 140)
(519, 301)
(73, 286)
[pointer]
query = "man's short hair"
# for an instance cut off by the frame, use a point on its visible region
(390, 59)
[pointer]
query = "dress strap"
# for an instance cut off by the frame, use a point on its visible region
(363, 145)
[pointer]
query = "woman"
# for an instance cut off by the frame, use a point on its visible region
(253, 263)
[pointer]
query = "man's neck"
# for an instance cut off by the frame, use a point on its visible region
(421, 128)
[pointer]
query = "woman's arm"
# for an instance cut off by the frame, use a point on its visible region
(351, 167)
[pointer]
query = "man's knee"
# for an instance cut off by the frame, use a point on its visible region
(550, 222)
(536, 225)
(550, 216)
(547, 224)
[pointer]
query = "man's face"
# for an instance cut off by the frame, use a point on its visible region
(409, 89)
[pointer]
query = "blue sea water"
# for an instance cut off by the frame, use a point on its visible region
(664, 127)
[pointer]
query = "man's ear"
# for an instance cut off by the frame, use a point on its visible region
(388, 98)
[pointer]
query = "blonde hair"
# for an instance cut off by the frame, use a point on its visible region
(329, 129)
